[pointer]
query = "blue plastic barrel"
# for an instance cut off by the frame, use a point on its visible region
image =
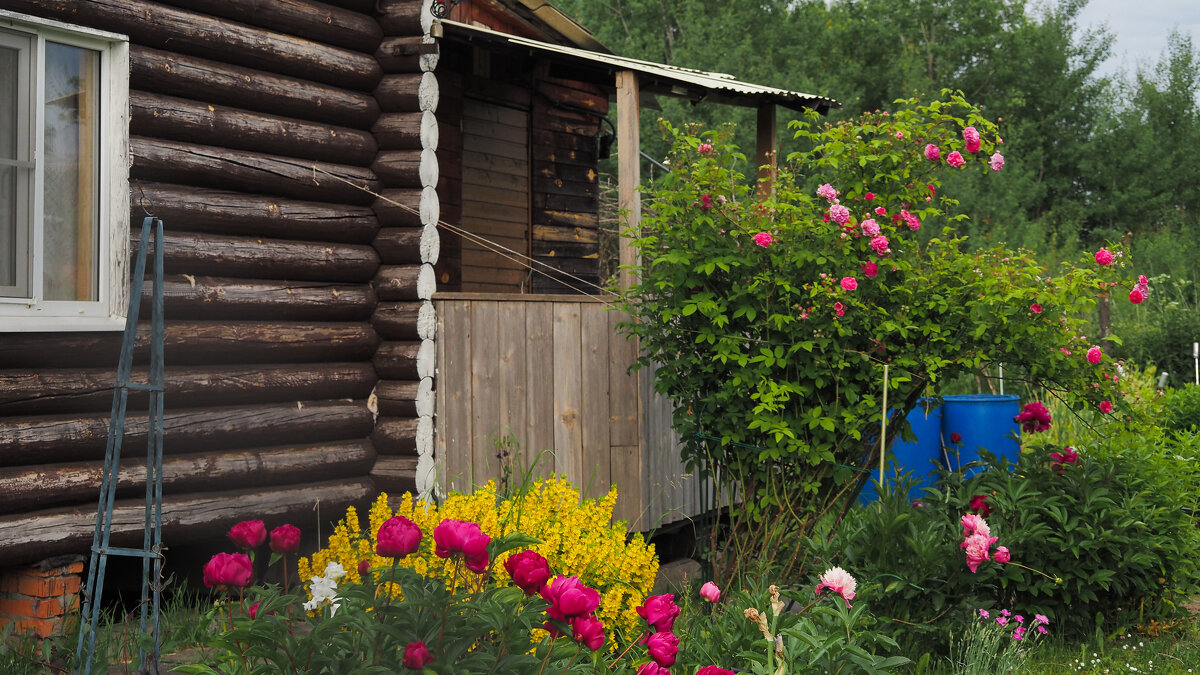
(984, 421)
(919, 457)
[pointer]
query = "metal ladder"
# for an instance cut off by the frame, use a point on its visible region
(151, 550)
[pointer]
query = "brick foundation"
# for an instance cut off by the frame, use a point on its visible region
(40, 599)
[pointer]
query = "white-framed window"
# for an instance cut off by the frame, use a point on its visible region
(64, 176)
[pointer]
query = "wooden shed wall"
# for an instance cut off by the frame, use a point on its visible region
(287, 298)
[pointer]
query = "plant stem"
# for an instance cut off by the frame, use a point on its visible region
(546, 659)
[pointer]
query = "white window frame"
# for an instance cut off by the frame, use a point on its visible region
(33, 313)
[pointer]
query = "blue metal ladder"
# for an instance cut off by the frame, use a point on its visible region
(151, 550)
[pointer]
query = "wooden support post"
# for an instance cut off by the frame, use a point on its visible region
(629, 175)
(765, 154)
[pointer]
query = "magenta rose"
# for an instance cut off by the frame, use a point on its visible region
(849, 283)
(763, 239)
(870, 269)
(529, 571)
(568, 598)
(932, 152)
(398, 537)
(1095, 355)
(248, 534)
(659, 611)
(285, 539)
(955, 159)
(1106, 407)
(663, 647)
(452, 537)
(416, 655)
(1136, 297)
(1104, 257)
(228, 570)
(588, 631)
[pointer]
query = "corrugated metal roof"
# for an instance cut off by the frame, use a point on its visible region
(697, 85)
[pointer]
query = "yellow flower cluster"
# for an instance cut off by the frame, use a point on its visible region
(577, 537)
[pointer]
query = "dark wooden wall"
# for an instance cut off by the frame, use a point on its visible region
(288, 295)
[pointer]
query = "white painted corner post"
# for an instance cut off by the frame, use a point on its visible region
(430, 247)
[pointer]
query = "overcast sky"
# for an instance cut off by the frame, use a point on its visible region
(1141, 28)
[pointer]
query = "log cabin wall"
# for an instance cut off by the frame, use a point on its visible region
(253, 125)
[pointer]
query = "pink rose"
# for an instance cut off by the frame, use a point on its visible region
(568, 598)
(705, 148)
(1035, 308)
(910, 219)
(228, 570)
(870, 269)
(659, 611)
(710, 592)
(248, 534)
(1104, 257)
(932, 152)
(849, 283)
(457, 536)
(880, 245)
(826, 191)
(1095, 355)
(706, 202)
(417, 656)
(955, 159)
(763, 239)
(1136, 297)
(880, 211)
(996, 161)
(398, 537)
(869, 227)
(869, 196)
(1033, 417)
(839, 214)
(1001, 555)
(971, 136)
(663, 647)
(529, 571)
(899, 134)
(1106, 407)
(839, 581)
(285, 539)
(588, 631)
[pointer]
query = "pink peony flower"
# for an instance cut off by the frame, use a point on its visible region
(971, 136)
(417, 656)
(839, 581)
(955, 437)
(652, 668)
(955, 159)
(1095, 355)
(1106, 407)
(248, 534)
(869, 227)
(398, 537)
(710, 592)
(974, 524)
(228, 570)
(568, 598)
(911, 219)
(663, 648)
(827, 192)
(870, 269)
(1001, 555)
(932, 152)
(839, 214)
(659, 611)
(364, 568)
(1035, 308)
(1033, 417)
(529, 571)
(979, 503)
(977, 546)
(996, 161)
(714, 670)
(285, 539)
(1136, 297)
(1104, 257)
(452, 537)
(705, 148)
(849, 283)
(1067, 456)
(879, 245)
(763, 239)
(588, 631)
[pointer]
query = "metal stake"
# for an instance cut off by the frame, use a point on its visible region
(151, 551)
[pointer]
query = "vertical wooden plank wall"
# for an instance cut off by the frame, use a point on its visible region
(272, 320)
(548, 371)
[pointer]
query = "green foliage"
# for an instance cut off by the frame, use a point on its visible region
(1181, 412)
(767, 349)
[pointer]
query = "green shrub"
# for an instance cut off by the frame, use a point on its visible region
(1181, 410)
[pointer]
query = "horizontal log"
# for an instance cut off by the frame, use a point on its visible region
(209, 166)
(407, 54)
(566, 219)
(198, 342)
(218, 254)
(29, 537)
(180, 119)
(397, 398)
(596, 101)
(398, 320)
(162, 27)
(203, 210)
(315, 21)
(247, 88)
(556, 233)
(403, 208)
(48, 485)
(409, 131)
(395, 435)
(395, 474)
(90, 390)
(200, 297)
(398, 245)
(43, 439)
(397, 360)
(408, 92)
(397, 282)
(407, 168)
(399, 17)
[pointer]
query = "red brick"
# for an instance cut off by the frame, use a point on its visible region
(40, 587)
(42, 628)
(23, 606)
(60, 571)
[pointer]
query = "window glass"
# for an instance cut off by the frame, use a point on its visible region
(9, 98)
(70, 221)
